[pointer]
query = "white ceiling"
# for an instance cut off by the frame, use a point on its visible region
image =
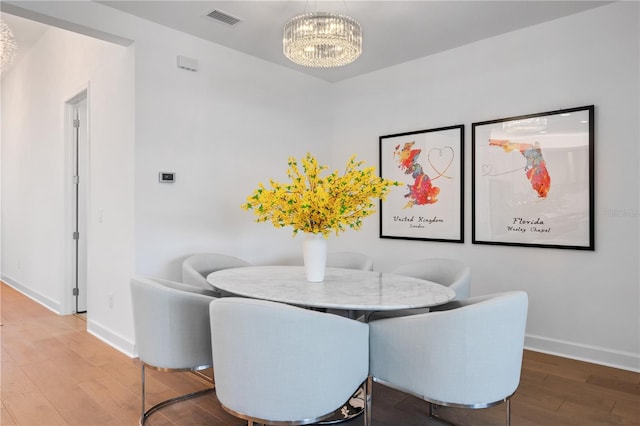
(393, 31)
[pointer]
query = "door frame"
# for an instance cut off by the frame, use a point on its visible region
(81, 94)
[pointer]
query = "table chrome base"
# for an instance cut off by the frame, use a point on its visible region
(352, 408)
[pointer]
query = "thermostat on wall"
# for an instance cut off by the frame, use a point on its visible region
(167, 177)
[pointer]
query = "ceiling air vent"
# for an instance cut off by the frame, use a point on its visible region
(223, 17)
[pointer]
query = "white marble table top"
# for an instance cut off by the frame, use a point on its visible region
(347, 289)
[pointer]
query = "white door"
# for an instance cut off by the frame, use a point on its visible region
(80, 167)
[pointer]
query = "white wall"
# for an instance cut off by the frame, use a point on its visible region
(222, 129)
(234, 122)
(582, 304)
(35, 182)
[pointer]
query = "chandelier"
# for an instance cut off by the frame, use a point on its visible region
(322, 40)
(7, 45)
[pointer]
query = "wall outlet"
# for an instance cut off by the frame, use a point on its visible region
(110, 300)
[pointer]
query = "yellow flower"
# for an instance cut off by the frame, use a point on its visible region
(315, 204)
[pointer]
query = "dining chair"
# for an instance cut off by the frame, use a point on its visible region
(349, 260)
(448, 272)
(465, 354)
(195, 268)
(283, 365)
(185, 287)
(172, 333)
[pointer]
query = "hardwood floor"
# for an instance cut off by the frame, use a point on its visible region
(55, 373)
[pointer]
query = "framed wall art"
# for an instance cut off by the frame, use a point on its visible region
(429, 205)
(533, 180)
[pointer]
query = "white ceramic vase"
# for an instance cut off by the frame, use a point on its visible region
(314, 251)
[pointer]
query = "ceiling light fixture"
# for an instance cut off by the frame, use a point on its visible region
(322, 40)
(7, 45)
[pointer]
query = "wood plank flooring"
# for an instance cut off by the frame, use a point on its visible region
(55, 373)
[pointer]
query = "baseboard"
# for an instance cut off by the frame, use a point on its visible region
(34, 295)
(597, 355)
(103, 333)
(112, 339)
(593, 354)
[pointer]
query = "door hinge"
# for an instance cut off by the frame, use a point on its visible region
(76, 235)
(76, 180)
(76, 291)
(76, 123)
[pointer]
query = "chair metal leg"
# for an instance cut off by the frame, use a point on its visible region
(433, 414)
(368, 391)
(143, 393)
(145, 414)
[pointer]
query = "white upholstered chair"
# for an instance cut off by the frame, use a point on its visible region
(186, 287)
(449, 272)
(172, 332)
(195, 268)
(469, 354)
(283, 365)
(350, 260)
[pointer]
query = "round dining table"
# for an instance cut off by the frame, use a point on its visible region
(342, 289)
(351, 290)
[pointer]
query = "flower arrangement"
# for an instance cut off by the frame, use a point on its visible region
(315, 204)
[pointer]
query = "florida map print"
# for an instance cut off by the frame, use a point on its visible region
(535, 168)
(532, 180)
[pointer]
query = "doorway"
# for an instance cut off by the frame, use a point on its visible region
(77, 124)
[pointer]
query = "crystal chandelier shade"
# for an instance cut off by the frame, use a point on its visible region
(7, 45)
(322, 40)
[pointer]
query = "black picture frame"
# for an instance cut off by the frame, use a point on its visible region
(430, 204)
(533, 180)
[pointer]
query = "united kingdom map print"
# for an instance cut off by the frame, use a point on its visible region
(422, 191)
